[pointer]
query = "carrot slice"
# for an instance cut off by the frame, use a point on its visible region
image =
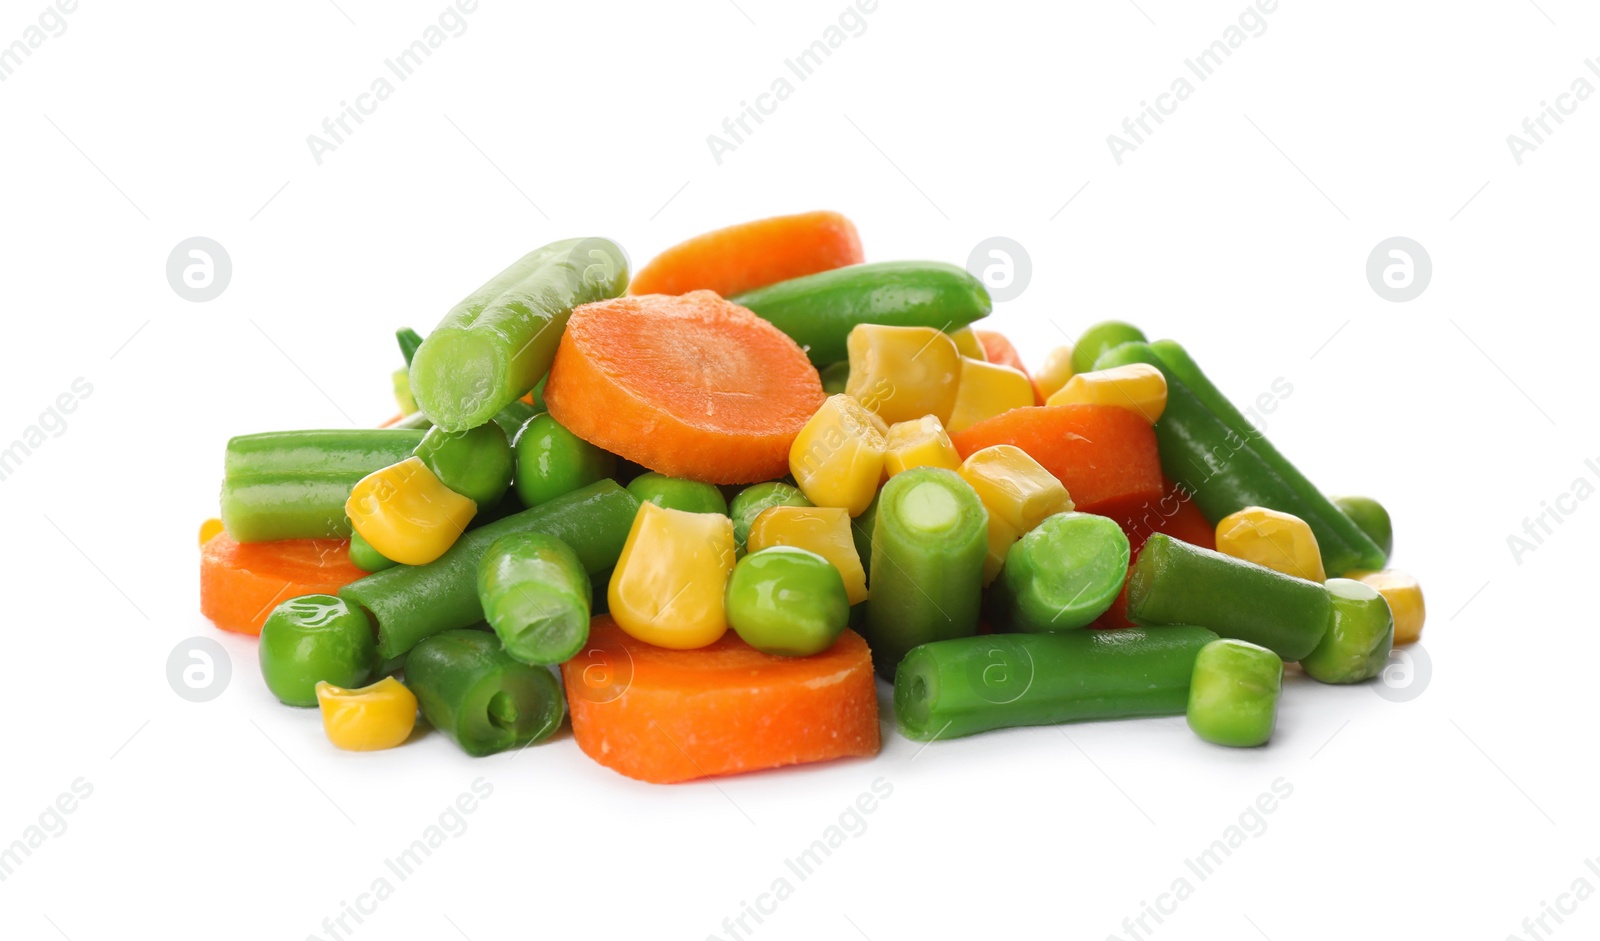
(752, 255)
(665, 716)
(1174, 514)
(1105, 456)
(998, 349)
(691, 386)
(240, 583)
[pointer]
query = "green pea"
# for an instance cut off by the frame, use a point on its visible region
(312, 638)
(1099, 338)
(552, 461)
(1371, 518)
(754, 500)
(366, 558)
(1359, 636)
(787, 601)
(676, 493)
(1233, 695)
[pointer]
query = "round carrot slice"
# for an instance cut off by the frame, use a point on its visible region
(752, 255)
(691, 386)
(241, 582)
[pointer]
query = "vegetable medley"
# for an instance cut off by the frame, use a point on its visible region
(594, 479)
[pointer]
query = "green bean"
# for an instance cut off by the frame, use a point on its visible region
(410, 602)
(536, 595)
(930, 537)
(474, 692)
(499, 341)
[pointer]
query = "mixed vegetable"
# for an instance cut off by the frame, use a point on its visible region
(593, 480)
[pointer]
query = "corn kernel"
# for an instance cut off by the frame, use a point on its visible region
(968, 344)
(667, 588)
(368, 719)
(901, 373)
(1405, 601)
(823, 530)
(406, 513)
(1137, 387)
(1055, 372)
(837, 459)
(987, 390)
(1279, 541)
(921, 442)
(208, 529)
(1014, 486)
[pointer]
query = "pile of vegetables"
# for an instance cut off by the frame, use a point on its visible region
(698, 513)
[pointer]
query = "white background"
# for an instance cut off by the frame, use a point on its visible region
(1241, 227)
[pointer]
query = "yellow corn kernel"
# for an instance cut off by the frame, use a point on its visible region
(1014, 486)
(1137, 387)
(208, 529)
(1405, 601)
(901, 373)
(1055, 372)
(668, 584)
(1002, 536)
(921, 442)
(820, 529)
(368, 719)
(1279, 541)
(407, 513)
(837, 459)
(968, 344)
(987, 390)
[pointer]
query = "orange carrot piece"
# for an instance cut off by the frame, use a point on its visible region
(998, 349)
(1174, 514)
(752, 255)
(665, 716)
(691, 386)
(240, 583)
(1105, 456)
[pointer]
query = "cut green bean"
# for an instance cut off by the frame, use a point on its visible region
(480, 696)
(1061, 575)
(410, 602)
(930, 537)
(1359, 637)
(1344, 545)
(1233, 699)
(294, 484)
(1177, 583)
(951, 688)
(499, 341)
(536, 595)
